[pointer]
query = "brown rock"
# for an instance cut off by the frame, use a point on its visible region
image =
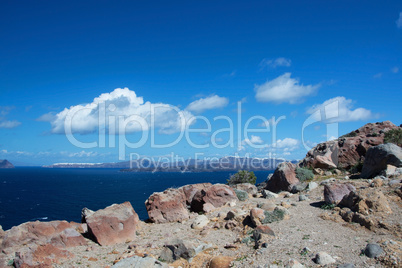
(114, 224)
(377, 182)
(213, 197)
(264, 229)
(366, 201)
(220, 262)
(191, 189)
(40, 256)
(333, 193)
(167, 206)
(256, 216)
(349, 149)
(284, 178)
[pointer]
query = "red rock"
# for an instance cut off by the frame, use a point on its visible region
(213, 197)
(264, 229)
(220, 262)
(348, 150)
(59, 233)
(334, 193)
(42, 256)
(114, 224)
(167, 206)
(284, 178)
(256, 216)
(191, 189)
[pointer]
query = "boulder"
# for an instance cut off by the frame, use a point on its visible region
(311, 186)
(169, 206)
(348, 150)
(191, 189)
(114, 224)
(57, 233)
(333, 193)
(214, 196)
(366, 201)
(284, 178)
(40, 256)
(221, 262)
(140, 262)
(247, 187)
(85, 212)
(373, 250)
(268, 194)
(378, 157)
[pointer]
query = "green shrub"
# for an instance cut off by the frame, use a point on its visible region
(304, 174)
(243, 176)
(394, 136)
(357, 168)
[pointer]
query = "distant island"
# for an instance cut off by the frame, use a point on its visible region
(229, 163)
(6, 164)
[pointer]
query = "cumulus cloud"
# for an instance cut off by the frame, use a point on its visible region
(208, 103)
(254, 140)
(288, 144)
(273, 63)
(283, 89)
(4, 122)
(399, 21)
(339, 109)
(129, 112)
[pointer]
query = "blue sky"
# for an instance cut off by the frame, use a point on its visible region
(278, 58)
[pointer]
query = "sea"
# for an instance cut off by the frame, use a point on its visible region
(47, 194)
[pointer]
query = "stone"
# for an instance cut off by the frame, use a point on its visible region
(311, 186)
(140, 262)
(366, 201)
(302, 197)
(268, 194)
(349, 150)
(220, 262)
(230, 224)
(177, 249)
(85, 212)
(241, 195)
(373, 250)
(328, 181)
(114, 224)
(334, 193)
(378, 157)
(346, 265)
(191, 189)
(389, 171)
(269, 206)
(57, 233)
(213, 197)
(294, 264)
(298, 188)
(284, 178)
(377, 182)
(257, 215)
(40, 256)
(265, 229)
(200, 222)
(247, 187)
(323, 258)
(167, 206)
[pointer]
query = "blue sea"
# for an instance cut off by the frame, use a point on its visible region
(34, 193)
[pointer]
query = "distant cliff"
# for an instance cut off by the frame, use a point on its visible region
(5, 164)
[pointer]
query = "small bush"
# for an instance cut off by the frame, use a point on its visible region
(304, 174)
(393, 136)
(243, 176)
(351, 134)
(357, 168)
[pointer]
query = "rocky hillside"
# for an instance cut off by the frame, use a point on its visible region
(5, 164)
(295, 219)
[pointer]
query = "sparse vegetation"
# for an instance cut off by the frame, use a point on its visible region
(394, 136)
(351, 134)
(328, 206)
(357, 168)
(304, 174)
(243, 176)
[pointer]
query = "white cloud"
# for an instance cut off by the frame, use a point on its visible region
(395, 70)
(339, 109)
(273, 63)
(283, 89)
(399, 21)
(208, 103)
(9, 124)
(288, 144)
(254, 140)
(119, 104)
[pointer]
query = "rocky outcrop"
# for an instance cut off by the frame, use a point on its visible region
(378, 157)
(213, 197)
(366, 201)
(334, 193)
(284, 178)
(348, 150)
(114, 224)
(168, 206)
(191, 189)
(40, 256)
(5, 164)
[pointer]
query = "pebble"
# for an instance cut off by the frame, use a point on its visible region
(302, 197)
